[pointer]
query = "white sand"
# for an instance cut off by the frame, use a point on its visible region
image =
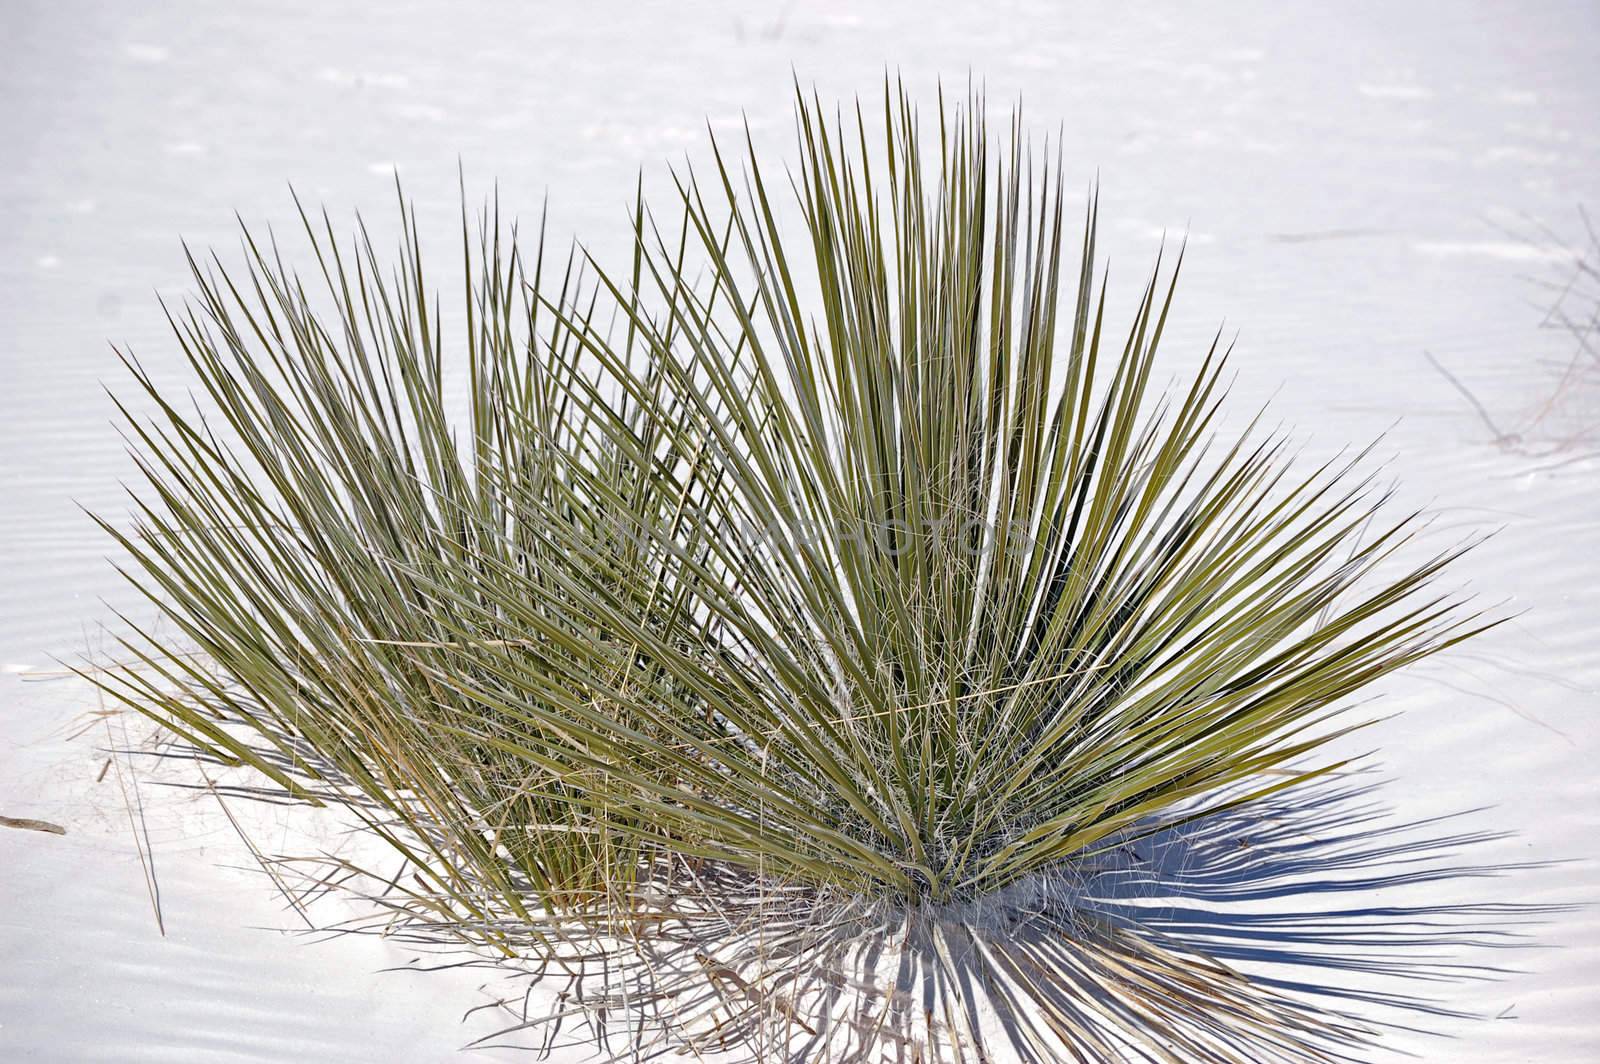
(1346, 176)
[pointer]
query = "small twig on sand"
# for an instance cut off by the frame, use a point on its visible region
(32, 825)
(1500, 437)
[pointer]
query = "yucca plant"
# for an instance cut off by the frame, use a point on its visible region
(810, 607)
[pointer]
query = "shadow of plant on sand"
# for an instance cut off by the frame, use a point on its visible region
(1327, 895)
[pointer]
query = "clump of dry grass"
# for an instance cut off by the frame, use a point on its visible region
(1561, 423)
